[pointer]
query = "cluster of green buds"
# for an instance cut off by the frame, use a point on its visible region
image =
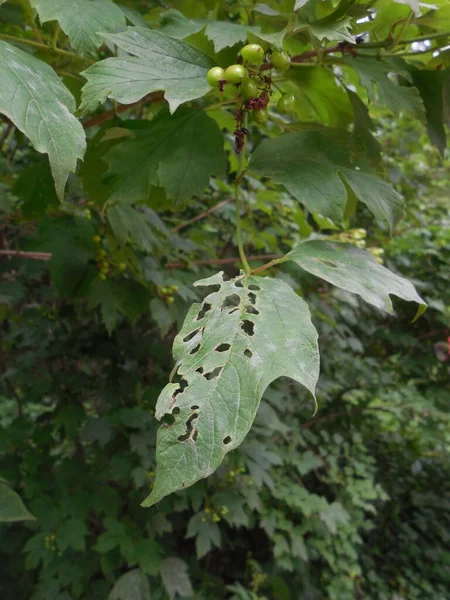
(214, 514)
(50, 542)
(105, 266)
(357, 237)
(167, 293)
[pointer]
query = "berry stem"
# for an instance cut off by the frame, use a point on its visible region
(240, 174)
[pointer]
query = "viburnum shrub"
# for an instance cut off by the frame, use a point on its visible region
(308, 73)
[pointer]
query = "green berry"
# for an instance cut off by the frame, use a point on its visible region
(102, 276)
(101, 253)
(280, 60)
(261, 116)
(97, 239)
(249, 89)
(286, 104)
(215, 75)
(252, 53)
(235, 73)
(121, 266)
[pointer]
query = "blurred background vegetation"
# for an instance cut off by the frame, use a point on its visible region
(351, 504)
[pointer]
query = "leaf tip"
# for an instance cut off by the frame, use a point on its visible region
(420, 310)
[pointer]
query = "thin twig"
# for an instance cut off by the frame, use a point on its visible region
(201, 215)
(6, 133)
(110, 114)
(169, 265)
(219, 261)
(23, 254)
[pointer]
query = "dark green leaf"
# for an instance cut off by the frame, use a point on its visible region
(179, 153)
(434, 88)
(315, 171)
(36, 188)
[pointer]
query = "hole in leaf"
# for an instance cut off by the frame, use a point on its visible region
(189, 428)
(176, 411)
(191, 335)
(248, 327)
(194, 435)
(327, 263)
(223, 348)
(213, 374)
(248, 353)
(205, 308)
(195, 407)
(195, 350)
(239, 283)
(233, 300)
(227, 440)
(182, 384)
(199, 370)
(233, 311)
(254, 287)
(168, 420)
(252, 298)
(251, 310)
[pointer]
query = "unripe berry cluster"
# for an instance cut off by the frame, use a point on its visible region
(254, 85)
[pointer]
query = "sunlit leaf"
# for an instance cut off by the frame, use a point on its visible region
(355, 270)
(159, 63)
(34, 99)
(82, 20)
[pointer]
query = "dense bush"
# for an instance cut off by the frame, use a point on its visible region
(96, 279)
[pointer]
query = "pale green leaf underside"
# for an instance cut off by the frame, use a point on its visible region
(175, 576)
(223, 34)
(131, 586)
(314, 170)
(355, 270)
(34, 99)
(82, 20)
(230, 348)
(300, 3)
(159, 63)
(11, 505)
(178, 152)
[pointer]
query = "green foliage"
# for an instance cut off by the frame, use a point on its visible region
(309, 155)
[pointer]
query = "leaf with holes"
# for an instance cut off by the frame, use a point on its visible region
(34, 99)
(159, 63)
(316, 171)
(355, 270)
(245, 335)
(82, 20)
